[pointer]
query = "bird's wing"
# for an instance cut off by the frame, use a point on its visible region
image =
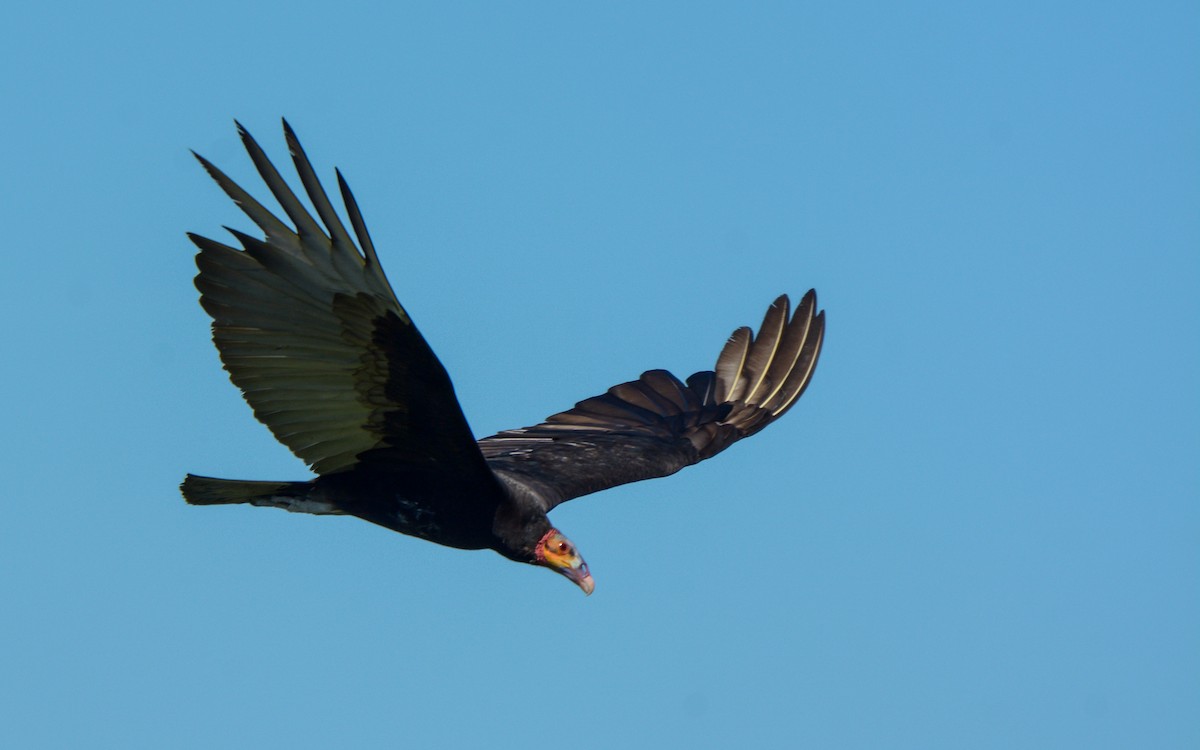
(311, 332)
(656, 425)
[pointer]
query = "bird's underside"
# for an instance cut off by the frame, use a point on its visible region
(309, 329)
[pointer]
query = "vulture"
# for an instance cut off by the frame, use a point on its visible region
(309, 329)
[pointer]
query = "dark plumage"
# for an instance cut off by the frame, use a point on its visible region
(310, 330)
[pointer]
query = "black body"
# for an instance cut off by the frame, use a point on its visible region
(310, 330)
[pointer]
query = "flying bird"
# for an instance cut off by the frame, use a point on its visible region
(309, 329)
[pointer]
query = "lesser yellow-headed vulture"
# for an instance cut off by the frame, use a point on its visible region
(329, 360)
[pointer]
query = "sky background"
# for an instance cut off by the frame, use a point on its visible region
(979, 528)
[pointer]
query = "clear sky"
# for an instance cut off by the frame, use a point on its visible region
(980, 528)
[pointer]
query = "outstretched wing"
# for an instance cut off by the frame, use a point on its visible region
(656, 425)
(310, 330)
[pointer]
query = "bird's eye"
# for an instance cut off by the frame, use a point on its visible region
(563, 547)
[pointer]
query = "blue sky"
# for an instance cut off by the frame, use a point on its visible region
(979, 528)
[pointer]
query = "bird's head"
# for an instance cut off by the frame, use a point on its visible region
(557, 553)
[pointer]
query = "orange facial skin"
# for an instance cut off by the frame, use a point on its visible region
(557, 552)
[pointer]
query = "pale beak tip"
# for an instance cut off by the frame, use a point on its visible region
(587, 584)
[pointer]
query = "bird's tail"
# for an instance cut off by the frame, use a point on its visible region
(294, 496)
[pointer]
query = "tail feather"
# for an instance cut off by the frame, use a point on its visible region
(292, 496)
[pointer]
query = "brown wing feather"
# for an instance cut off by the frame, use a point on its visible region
(762, 351)
(729, 364)
(656, 425)
(310, 330)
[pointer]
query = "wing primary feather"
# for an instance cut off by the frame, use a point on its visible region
(316, 193)
(766, 344)
(792, 344)
(258, 213)
(730, 363)
(802, 375)
(356, 221)
(306, 226)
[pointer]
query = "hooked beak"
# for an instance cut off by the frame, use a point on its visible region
(557, 552)
(581, 577)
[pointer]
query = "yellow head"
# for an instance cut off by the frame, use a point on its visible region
(557, 553)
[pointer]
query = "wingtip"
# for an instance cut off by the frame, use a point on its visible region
(248, 140)
(810, 297)
(289, 135)
(208, 165)
(356, 221)
(199, 241)
(783, 302)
